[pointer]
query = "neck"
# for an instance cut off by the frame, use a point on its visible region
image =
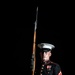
(46, 62)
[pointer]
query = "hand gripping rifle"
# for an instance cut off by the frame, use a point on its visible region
(33, 60)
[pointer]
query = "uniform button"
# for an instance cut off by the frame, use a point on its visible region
(48, 72)
(40, 74)
(41, 70)
(42, 65)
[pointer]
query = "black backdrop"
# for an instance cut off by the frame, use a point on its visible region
(52, 20)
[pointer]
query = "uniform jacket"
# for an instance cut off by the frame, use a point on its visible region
(50, 68)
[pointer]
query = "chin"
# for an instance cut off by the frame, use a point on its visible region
(45, 59)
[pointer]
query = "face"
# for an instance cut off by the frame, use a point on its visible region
(46, 56)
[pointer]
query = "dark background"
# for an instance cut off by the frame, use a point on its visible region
(52, 27)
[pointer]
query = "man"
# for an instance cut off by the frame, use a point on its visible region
(48, 67)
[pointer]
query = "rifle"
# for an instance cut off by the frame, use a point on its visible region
(33, 60)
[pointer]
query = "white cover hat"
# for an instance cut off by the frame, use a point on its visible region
(46, 46)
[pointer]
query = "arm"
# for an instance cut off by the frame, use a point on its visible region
(57, 70)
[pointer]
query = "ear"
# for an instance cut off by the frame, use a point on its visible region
(50, 54)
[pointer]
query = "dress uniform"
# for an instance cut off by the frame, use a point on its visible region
(49, 67)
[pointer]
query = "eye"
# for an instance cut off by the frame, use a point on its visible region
(45, 52)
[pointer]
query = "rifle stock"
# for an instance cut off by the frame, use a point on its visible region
(34, 54)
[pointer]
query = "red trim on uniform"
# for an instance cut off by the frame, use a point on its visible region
(60, 73)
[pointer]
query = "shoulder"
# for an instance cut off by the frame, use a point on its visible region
(56, 66)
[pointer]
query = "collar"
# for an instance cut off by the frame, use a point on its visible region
(47, 62)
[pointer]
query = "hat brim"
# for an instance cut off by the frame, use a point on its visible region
(45, 50)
